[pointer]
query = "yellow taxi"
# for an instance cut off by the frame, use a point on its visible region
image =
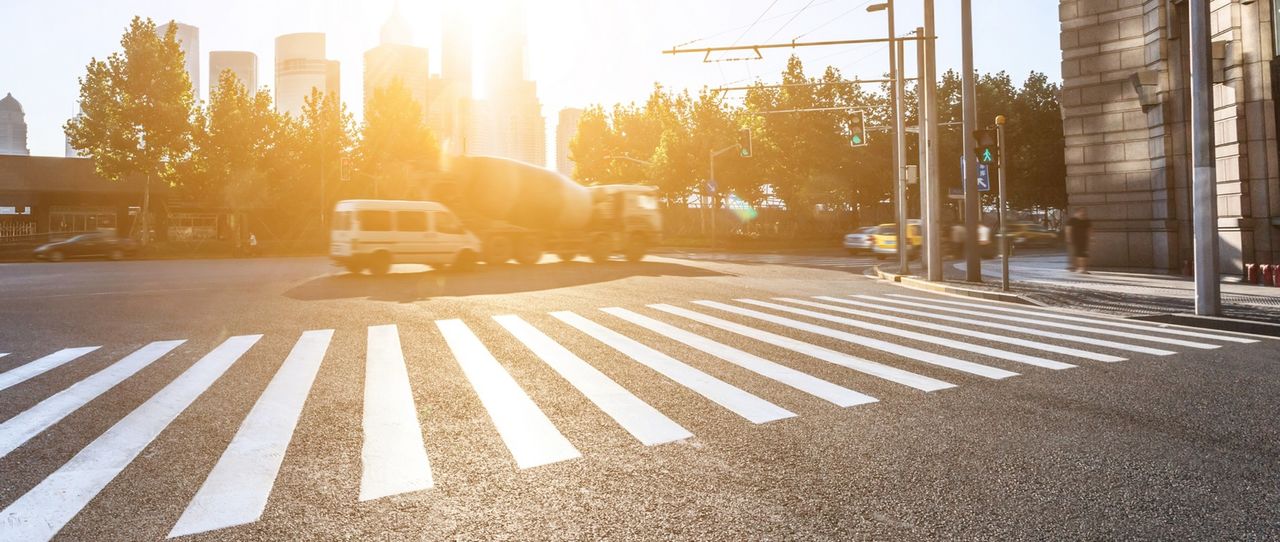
(886, 239)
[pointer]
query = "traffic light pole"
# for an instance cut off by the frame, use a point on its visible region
(1004, 179)
(1204, 199)
(899, 148)
(929, 128)
(715, 188)
(972, 209)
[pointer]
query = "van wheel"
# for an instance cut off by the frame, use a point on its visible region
(466, 261)
(600, 249)
(497, 250)
(528, 252)
(379, 263)
(567, 256)
(636, 247)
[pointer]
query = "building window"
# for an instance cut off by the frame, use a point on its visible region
(81, 219)
(193, 226)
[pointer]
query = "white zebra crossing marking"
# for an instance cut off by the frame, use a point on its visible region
(740, 402)
(885, 346)
(1047, 323)
(40, 513)
(839, 395)
(949, 329)
(532, 439)
(942, 341)
(393, 458)
(1103, 320)
(236, 491)
(644, 422)
(892, 374)
(19, 429)
(1028, 330)
(24, 372)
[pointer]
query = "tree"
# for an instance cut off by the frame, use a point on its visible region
(592, 147)
(138, 111)
(317, 143)
(1038, 170)
(396, 147)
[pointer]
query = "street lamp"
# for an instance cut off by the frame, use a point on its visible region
(899, 136)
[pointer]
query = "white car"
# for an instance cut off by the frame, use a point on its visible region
(374, 234)
(861, 240)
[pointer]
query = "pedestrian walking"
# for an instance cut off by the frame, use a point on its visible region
(1078, 230)
(253, 244)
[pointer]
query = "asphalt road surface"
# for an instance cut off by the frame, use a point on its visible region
(676, 398)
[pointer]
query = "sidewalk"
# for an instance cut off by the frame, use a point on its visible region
(1045, 279)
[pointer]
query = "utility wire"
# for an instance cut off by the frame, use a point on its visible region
(753, 23)
(829, 21)
(793, 17)
(728, 30)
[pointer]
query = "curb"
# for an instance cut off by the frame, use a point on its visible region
(918, 284)
(1214, 322)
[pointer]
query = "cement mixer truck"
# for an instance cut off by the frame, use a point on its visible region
(510, 211)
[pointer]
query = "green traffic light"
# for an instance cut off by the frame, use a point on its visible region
(857, 140)
(744, 153)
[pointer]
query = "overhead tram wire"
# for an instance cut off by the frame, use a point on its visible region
(793, 18)
(833, 19)
(728, 30)
(753, 23)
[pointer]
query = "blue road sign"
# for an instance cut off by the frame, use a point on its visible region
(984, 176)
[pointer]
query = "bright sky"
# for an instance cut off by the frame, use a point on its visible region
(581, 51)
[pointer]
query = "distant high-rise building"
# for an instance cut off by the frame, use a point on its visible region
(243, 64)
(566, 128)
(189, 41)
(333, 78)
(449, 103)
(13, 127)
(394, 59)
(72, 152)
(511, 112)
(300, 67)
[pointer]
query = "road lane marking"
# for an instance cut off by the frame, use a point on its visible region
(892, 374)
(884, 346)
(236, 491)
(933, 339)
(1028, 330)
(740, 402)
(532, 439)
(1046, 323)
(393, 457)
(1098, 320)
(957, 330)
(40, 513)
(19, 429)
(637, 417)
(839, 395)
(26, 371)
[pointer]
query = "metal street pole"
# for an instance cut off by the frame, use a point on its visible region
(1204, 209)
(972, 210)
(1004, 178)
(712, 183)
(922, 187)
(899, 150)
(929, 79)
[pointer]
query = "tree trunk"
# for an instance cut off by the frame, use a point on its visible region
(146, 213)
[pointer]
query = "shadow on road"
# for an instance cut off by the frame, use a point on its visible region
(412, 286)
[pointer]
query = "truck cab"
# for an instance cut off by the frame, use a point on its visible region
(374, 234)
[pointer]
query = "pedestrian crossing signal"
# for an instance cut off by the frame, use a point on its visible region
(858, 129)
(988, 147)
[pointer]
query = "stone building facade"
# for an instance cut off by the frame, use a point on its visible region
(1127, 122)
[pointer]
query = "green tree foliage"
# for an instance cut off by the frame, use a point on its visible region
(320, 138)
(396, 148)
(234, 137)
(138, 109)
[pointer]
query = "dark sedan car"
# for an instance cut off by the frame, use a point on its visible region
(87, 246)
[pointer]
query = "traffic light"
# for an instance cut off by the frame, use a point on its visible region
(988, 149)
(744, 143)
(858, 129)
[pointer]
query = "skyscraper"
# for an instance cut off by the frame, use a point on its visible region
(189, 41)
(395, 59)
(72, 152)
(13, 127)
(565, 130)
(243, 64)
(300, 67)
(511, 115)
(449, 103)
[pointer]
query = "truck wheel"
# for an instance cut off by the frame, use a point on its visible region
(379, 263)
(353, 266)
(636, 247)
(497, 250)
(528, 252)
(567, 256)
(466, 261)
(600, 250)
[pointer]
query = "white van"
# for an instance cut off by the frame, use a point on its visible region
(373, 234)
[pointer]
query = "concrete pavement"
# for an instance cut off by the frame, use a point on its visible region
(678, 398)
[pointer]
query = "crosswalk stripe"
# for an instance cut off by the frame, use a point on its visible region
(1028, 330)
(17, 430)
(885, 346)
(532, 439)
(26, 371)
(637, 417)
(892, 374)
(1092, 320)
(237, 488)
(393, 457)
(817, 387)
(40, 513)
(1047, 323)
(742, 403)
(1036, 345)
(933, 339)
